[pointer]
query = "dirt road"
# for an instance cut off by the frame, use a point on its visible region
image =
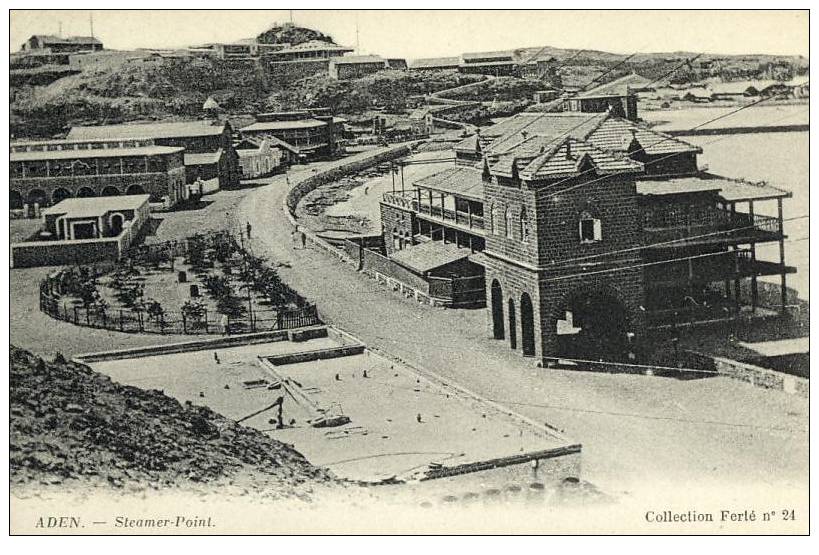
(709, 434)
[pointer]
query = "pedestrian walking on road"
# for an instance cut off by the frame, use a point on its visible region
(303, 239)
(248, 230)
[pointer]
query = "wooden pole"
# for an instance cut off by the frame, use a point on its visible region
(783, 284)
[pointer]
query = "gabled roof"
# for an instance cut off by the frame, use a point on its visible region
(160, 130)
(616, 134)
(570, 157)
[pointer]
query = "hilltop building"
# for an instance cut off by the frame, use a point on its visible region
(209, 152)
(589, 230)
(61, 45)
(43, 173)
(351, 67)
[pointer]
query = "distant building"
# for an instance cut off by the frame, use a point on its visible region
(489, 63)
(350, 67)
(397, 63)
(61, 44)
(208, 145)
(258, 158)
(436, 64)
(422, 121)
(546, 95)
(43, 173)
(308, 134)
(84, 230)
(618, 96)
(310, 50)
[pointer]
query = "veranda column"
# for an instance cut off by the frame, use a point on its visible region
(783, 285)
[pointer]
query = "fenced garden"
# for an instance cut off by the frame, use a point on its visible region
(205, 284)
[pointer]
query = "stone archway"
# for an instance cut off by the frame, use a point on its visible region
(600, 324)
(15, 200)
(527, 325)
(496, 304)
(86, 192)
(513, 326)
(110, 191)
(37, 196)
(135, 190)
(60, 194)
(117, 222)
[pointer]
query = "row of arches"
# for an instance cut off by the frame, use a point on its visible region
(40, 197)
(512, 218)
(527, 319)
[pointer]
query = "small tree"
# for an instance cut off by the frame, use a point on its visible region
(194, 312)
(231, 306)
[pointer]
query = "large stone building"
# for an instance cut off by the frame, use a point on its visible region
(306, 134)
(350, 67)
(43, 173)
(209, 152)
(592, 229)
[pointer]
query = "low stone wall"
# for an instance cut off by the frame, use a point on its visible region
(61, 253)
(317, 354)
(756, 375)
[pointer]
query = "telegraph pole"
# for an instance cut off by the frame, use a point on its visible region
(91, 22)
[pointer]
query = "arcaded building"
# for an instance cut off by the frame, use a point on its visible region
(592, 230)
(43, 173)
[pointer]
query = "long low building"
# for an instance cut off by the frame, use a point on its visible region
(307, 134)
(199, 137)
(43, 173)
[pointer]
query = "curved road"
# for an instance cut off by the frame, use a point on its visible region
(635, 430)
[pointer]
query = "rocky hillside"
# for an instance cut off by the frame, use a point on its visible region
(71, 427)
(291, 34)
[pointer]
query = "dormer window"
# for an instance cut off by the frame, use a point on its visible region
(591, 230)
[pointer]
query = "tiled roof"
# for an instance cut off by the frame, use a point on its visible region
(162, 130)
(470, 144)
(677, 186)
(428, 256)
(568, 158)
(520, 131)
(617, 133)
(463, 181)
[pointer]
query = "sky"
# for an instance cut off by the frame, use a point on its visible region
(425, 33)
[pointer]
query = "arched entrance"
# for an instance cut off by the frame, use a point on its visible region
(496, 302)
(527, 326)
(15, 200)
(513, 327)
(135, 190)
(86, 192)
(600, 325)
(60, 194)
(37, 196)
(110, 192)
(117, 221)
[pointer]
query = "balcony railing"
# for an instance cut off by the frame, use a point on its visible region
(719, 267)
(726, 226)
(446, 215)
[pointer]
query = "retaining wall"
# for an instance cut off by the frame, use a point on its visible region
(756, 375)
